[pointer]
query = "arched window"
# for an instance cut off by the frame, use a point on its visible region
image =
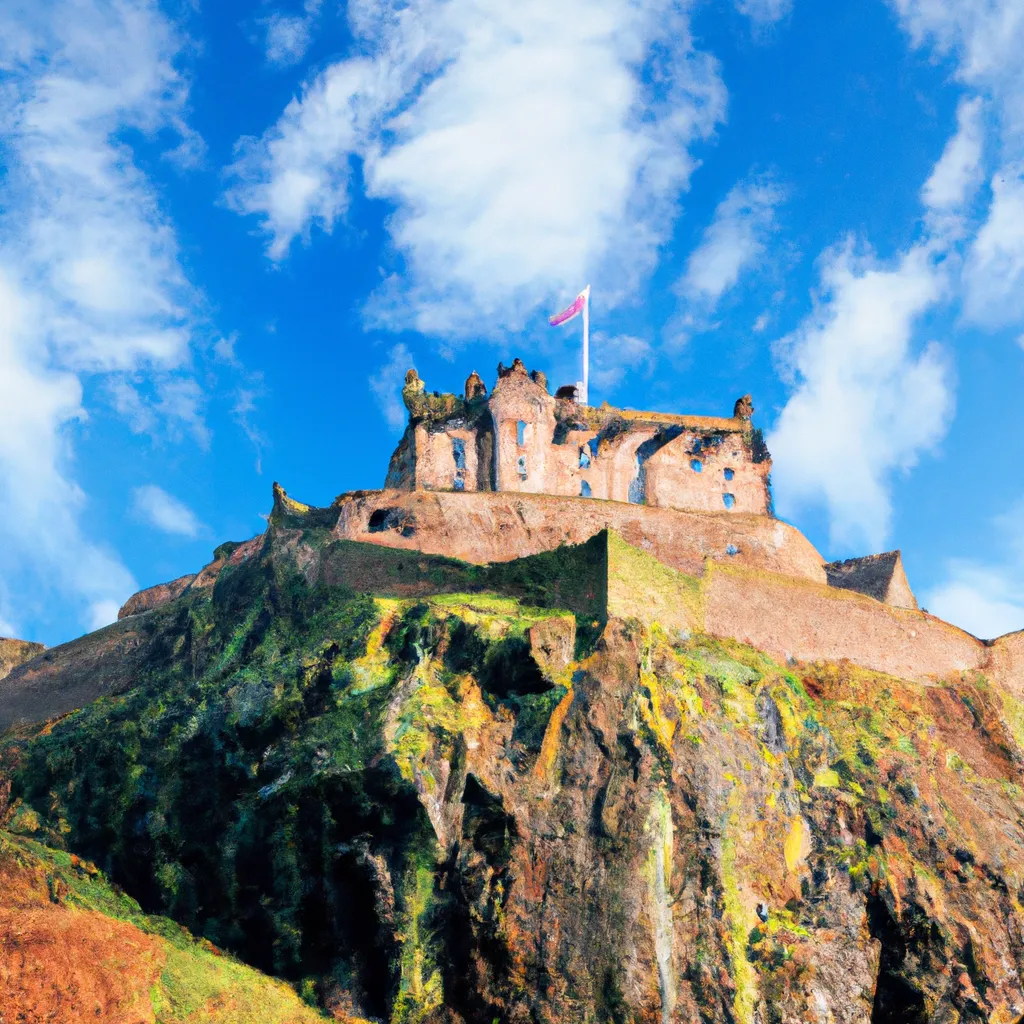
(584, 489)
(459, 452)
(728, 500)
(521, 467)
(696, 465)
(729, 474)
(584, 458)
(521, 433)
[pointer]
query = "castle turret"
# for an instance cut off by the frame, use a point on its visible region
(523, 415)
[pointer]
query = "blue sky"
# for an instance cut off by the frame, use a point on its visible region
(227, 229)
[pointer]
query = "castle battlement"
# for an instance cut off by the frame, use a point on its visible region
(520, 438)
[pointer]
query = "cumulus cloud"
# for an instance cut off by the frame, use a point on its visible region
(736, 237)
(90, 281)
(986, 40)
(153, 505)
(525, 147)
(386, 385)
(865, 402)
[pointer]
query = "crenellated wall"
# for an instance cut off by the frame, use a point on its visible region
(522, 440)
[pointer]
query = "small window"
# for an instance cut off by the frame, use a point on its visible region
(593, 443)
(459, 452)
(731, 549)
(521, 433)
(728, 500)
(584, 489)
(459, 483)
(696, 446)
(696, 465)
(729, 474)
(584, 458)
(521, 467)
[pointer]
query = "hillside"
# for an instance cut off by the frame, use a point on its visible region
(529, 792)
(76, 949)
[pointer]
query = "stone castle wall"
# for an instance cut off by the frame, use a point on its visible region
(792, 618)
(523, 440)
(498, 527)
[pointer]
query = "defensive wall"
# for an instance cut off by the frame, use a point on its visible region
(656, 565)
(497, 527)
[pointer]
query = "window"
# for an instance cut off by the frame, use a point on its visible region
(728, 500)
(584, 489)
(731, 549)
(584, 458)
(696, 465)
(729, 474)
(459, 452)
(520, 433)
(459, 483)
(521, 467)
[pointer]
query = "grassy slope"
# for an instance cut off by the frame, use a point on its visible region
(74, 948)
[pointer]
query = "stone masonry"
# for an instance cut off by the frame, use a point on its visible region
(522, 439)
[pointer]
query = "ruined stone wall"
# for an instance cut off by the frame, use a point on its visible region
(448, 460)
(793, 618)
(498, 527)
(523, 416)
(695, 471)
(522, 440)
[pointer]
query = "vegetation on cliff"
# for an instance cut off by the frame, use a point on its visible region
(76, 949)
(402, 808)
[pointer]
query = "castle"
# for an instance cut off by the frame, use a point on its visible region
(520, 438)
(483, 488)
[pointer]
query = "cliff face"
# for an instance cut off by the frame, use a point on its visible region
(464, 807)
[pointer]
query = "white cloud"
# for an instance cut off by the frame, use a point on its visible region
(737, 236)
(525, 147)
(288, 35)
(764, 12)
(760, 325)
(287, 39)
(103, 613)
(90, 280)
(986, 599)
(980, 599)
(386, 385)
(613, 357)
(153, 505)
(865, 402)
(994, 273)
(958, 173)
(987, 39)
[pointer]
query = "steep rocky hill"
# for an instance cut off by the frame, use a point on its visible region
(421, 790)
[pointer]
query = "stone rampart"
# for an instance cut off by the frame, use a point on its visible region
(791, 618)
(498, 527)
(1007, 662)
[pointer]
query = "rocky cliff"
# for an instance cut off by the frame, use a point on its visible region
(537, 791)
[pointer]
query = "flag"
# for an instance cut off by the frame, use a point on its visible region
(567, 314)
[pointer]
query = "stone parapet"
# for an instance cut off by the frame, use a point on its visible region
(498, 527)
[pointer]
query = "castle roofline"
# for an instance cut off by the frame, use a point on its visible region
(598, 414)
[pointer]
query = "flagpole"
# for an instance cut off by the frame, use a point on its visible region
(586, 346)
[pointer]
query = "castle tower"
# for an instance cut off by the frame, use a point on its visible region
(523, 414)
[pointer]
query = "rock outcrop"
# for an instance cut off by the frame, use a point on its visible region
(597, 767)
(16, 652)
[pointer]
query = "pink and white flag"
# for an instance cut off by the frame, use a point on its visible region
(567, 314)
